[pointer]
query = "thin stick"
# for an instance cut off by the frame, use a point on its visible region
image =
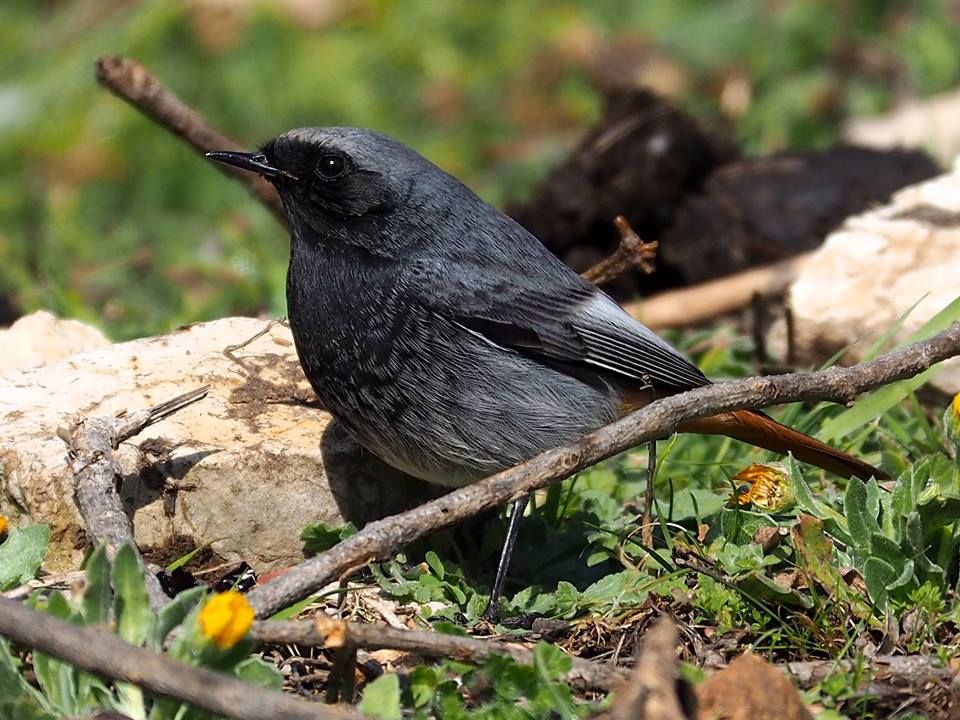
(328, 632)
(382, 538)
(651, 691)
(91, 442)
(105, 654)
(698, 303)
(131, 81)
(632, 252)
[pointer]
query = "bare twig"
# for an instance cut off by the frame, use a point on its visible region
(698, 303)
(651, 691)
(381, 539)
(632, 252)
(918, 670)
(131, 81)
(91, 442)
(105, 654)
(334, 634)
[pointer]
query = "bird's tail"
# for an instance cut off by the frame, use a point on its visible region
(757, 429)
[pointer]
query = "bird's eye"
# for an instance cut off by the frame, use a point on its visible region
(330, 167)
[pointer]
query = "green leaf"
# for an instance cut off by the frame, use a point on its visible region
(906, 578)
(18, 699)
(257, 671)
(97, 596)
(886, 549)
(293, 610)
(21, 555)
(859, 522)
(815, 552)
(446, 627)
(131, 602)
(757, 585)
(433, 560)
(173, 614)
(878, 575)
(738, 526)
(320, 537)
(423, 683)
(381, 698)
(184, 559)
(551, 661)
(802, 490)
(873, 500)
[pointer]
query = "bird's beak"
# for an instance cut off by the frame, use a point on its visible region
(254, 162)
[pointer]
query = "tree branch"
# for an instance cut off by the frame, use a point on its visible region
(132, 82)
(381, 539)
(105, 654)
(91, 442)
(632, 252)
(328, 632)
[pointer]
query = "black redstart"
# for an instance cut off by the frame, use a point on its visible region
(445, 337)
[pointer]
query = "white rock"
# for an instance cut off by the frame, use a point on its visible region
(244, 469)
(930, 123)
(43, 338)
(875, 268)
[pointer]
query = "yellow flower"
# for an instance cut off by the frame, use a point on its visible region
(951, 421)
(770, 488)
(226, 618)
(3, 524)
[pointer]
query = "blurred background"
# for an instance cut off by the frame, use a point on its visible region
(106, 218)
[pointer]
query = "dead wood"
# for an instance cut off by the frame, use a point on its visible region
(91, 442)
(335, 634)
(103, 653)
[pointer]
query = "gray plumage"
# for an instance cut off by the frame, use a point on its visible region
(441, 333)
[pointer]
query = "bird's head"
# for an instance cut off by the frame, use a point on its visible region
(346, 183)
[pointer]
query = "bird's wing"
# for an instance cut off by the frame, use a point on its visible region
(558, 318)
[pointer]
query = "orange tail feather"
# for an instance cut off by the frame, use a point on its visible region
(757, 429)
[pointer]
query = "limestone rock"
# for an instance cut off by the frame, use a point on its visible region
(874, 269)
(43, 338)
(244, 469)
(929, 123)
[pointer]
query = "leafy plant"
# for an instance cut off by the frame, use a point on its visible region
(116, 597)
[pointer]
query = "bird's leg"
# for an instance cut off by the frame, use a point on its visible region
(646, 532)
(492, 610)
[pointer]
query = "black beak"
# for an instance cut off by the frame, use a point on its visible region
(254, 162)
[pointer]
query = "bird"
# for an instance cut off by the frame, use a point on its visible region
(445, 337)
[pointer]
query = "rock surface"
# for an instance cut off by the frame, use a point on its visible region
(874, 269)
(929, 123)
(43, 338)
(242, 470)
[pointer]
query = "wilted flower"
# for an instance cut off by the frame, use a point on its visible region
(769, 487)
(226, 618)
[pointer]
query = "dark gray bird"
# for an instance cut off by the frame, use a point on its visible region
(446, 338)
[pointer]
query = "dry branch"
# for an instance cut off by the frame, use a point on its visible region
(91, 442)
(698, 303)
(331, 633)
(105, 654)
(917, 670)
(632, 252)
(651, 691)
(131, 81)
(381, 539)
